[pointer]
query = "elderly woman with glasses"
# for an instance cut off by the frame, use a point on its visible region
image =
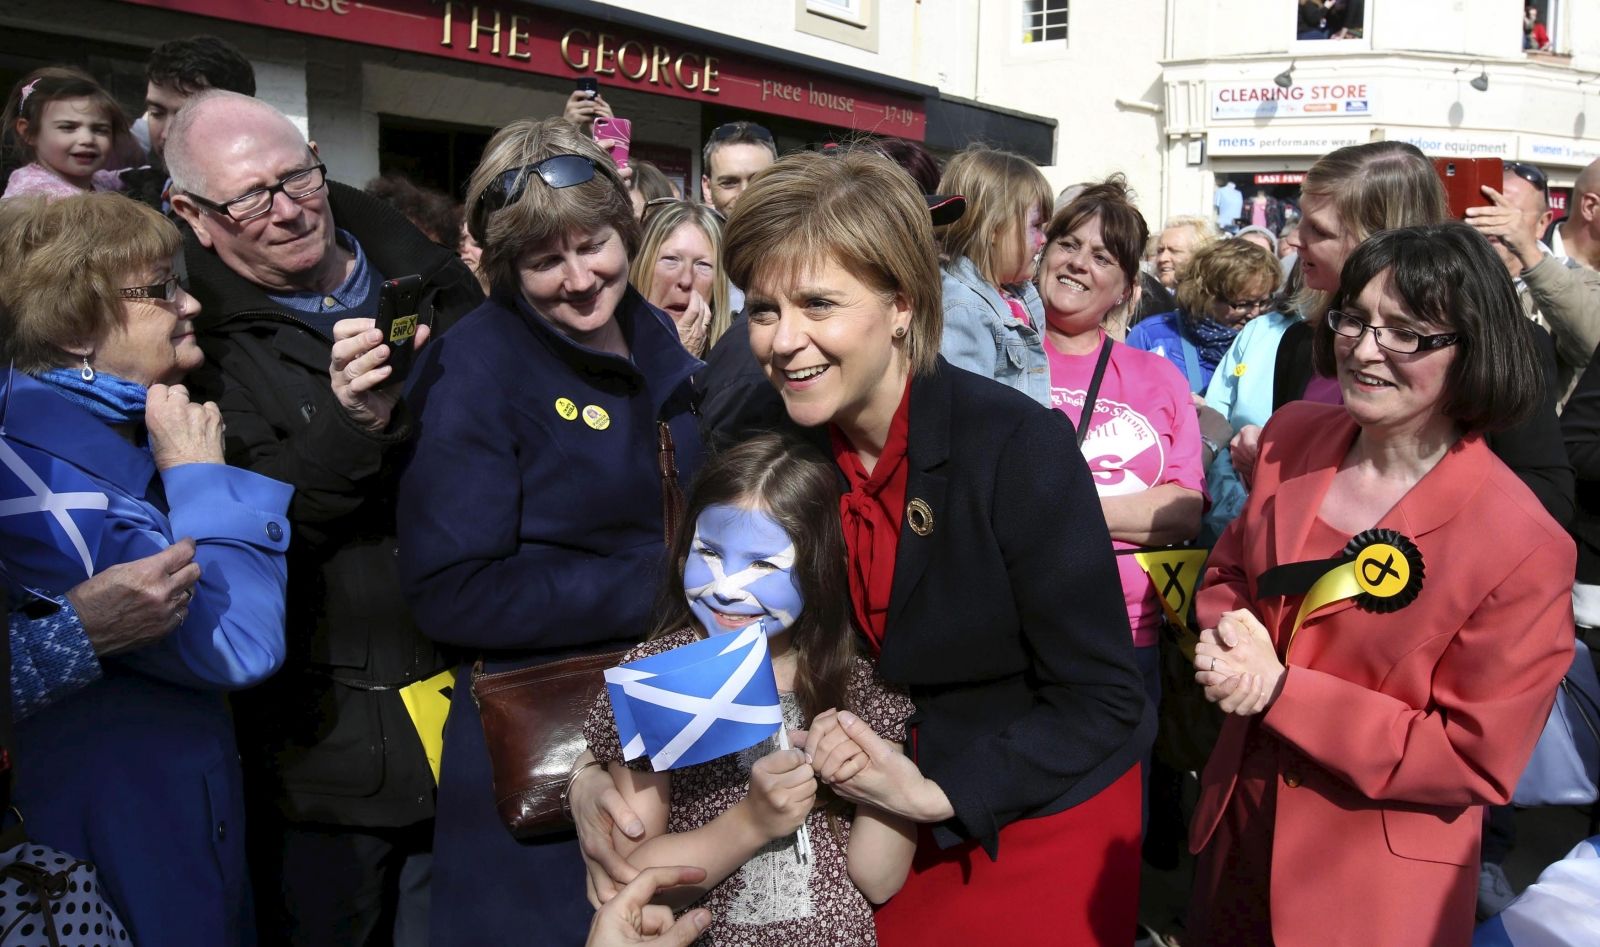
(1387, 620)
(530, 518)
(679, 269)
(1225, 285)
(104, 459)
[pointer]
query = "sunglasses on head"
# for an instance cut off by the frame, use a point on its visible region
(556, 171)
(740, 129)
(1531, 174)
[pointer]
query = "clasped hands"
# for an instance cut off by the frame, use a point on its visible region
(862, 767)
(1238, 665)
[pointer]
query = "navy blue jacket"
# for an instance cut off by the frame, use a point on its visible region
(527, 533)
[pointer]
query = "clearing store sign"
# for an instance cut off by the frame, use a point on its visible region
(1266, 99)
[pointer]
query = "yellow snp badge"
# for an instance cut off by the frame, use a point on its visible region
(1175, 573)
(402, 329)
(428, 704)
(567, 409)
(1380, 569)
(596, 417)
(1238, 370)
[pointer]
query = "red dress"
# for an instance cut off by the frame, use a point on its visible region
(1071, 878)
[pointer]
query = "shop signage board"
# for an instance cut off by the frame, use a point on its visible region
(1267, 100)
(1568, 152)
(1289, 141)
(1281, 177)
(1455, 143)
(530, 39)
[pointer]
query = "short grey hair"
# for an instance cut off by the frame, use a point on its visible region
(182, 164)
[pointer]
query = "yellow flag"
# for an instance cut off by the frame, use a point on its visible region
(1175, 574)
(428, 703)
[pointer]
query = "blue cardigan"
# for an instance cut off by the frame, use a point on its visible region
(530, 529)
(139, 771)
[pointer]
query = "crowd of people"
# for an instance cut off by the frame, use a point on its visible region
(953, 446)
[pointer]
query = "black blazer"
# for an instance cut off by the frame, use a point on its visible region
(1006, 621)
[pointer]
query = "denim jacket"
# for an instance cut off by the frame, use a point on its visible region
(982, 336)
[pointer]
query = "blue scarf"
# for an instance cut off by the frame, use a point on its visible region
(111, 399)
(1212, 338)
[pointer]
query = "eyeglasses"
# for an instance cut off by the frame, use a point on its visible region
(556, 171)
(252, 204)
(1402, 341)
(1531, 174)
(166, 290)
(1252, 306)
(740, 130)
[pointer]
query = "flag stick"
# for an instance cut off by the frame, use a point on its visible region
(802, 839)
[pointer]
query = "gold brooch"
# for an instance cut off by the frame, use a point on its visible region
(920, 516)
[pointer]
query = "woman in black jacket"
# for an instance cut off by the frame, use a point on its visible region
(980, 571)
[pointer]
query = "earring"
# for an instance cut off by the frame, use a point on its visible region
(900, 332)
(1119, 301)
(87, 373)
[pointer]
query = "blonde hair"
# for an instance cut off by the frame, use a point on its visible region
(858, 209)
(1223, 270)
(1000, 188)
(540, 212)
(62, 264)
(665, 219)
(1378, 186)
(1205, 233)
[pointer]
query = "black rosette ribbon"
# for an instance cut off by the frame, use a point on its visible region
(1388, 569)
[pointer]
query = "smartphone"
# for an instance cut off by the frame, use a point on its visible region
(397, 320)
(1464, 179)
(590, 85)
(615, 135)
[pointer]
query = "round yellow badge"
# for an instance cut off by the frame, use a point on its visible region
(596, 417)
(1238, 370)
(566, 408)
(1382, 570)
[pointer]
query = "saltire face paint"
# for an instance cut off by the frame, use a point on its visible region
(740, 570)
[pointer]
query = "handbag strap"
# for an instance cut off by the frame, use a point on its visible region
(1093, 394)
(671, 492)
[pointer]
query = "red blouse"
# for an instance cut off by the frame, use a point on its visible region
(871, 512)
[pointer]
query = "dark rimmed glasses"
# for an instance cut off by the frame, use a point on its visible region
(1401, 341)
(557, 171)
(297, 186)
(1253, 307)
(165, 291)
(1531, 174)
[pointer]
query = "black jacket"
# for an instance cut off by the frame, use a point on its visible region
(1533, 449)
(330, 729)
(1006, 621)
(1580, 424)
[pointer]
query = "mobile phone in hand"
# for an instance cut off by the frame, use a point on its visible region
(615, 135)
(589, 85)
(1464, 180)
(397, 320)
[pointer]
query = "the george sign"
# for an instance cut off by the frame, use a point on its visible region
(1299, 141)
(1281, 177)
(1267, 100)
(1452, 143)
(527, 39)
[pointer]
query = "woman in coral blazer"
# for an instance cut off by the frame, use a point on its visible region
(1387, 621)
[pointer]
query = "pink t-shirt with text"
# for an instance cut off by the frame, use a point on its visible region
(1145, 433)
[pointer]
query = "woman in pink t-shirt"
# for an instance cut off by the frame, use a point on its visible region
(1142, 437)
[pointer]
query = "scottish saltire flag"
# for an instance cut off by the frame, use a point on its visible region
(48, 510)
(698, 702)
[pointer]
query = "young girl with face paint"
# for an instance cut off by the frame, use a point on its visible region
(766, 546)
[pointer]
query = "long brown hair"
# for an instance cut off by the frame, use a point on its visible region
(797, 487)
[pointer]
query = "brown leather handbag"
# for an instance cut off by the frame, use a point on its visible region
(533, 717)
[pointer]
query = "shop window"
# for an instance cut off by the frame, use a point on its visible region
(1330, 19)
(1044, 21)
(1539, 26)
(852, 22)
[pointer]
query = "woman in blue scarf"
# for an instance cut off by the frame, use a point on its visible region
(104, 460)
(1225, 285)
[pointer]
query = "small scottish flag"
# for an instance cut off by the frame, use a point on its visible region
(48, 510)
(698, 702)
